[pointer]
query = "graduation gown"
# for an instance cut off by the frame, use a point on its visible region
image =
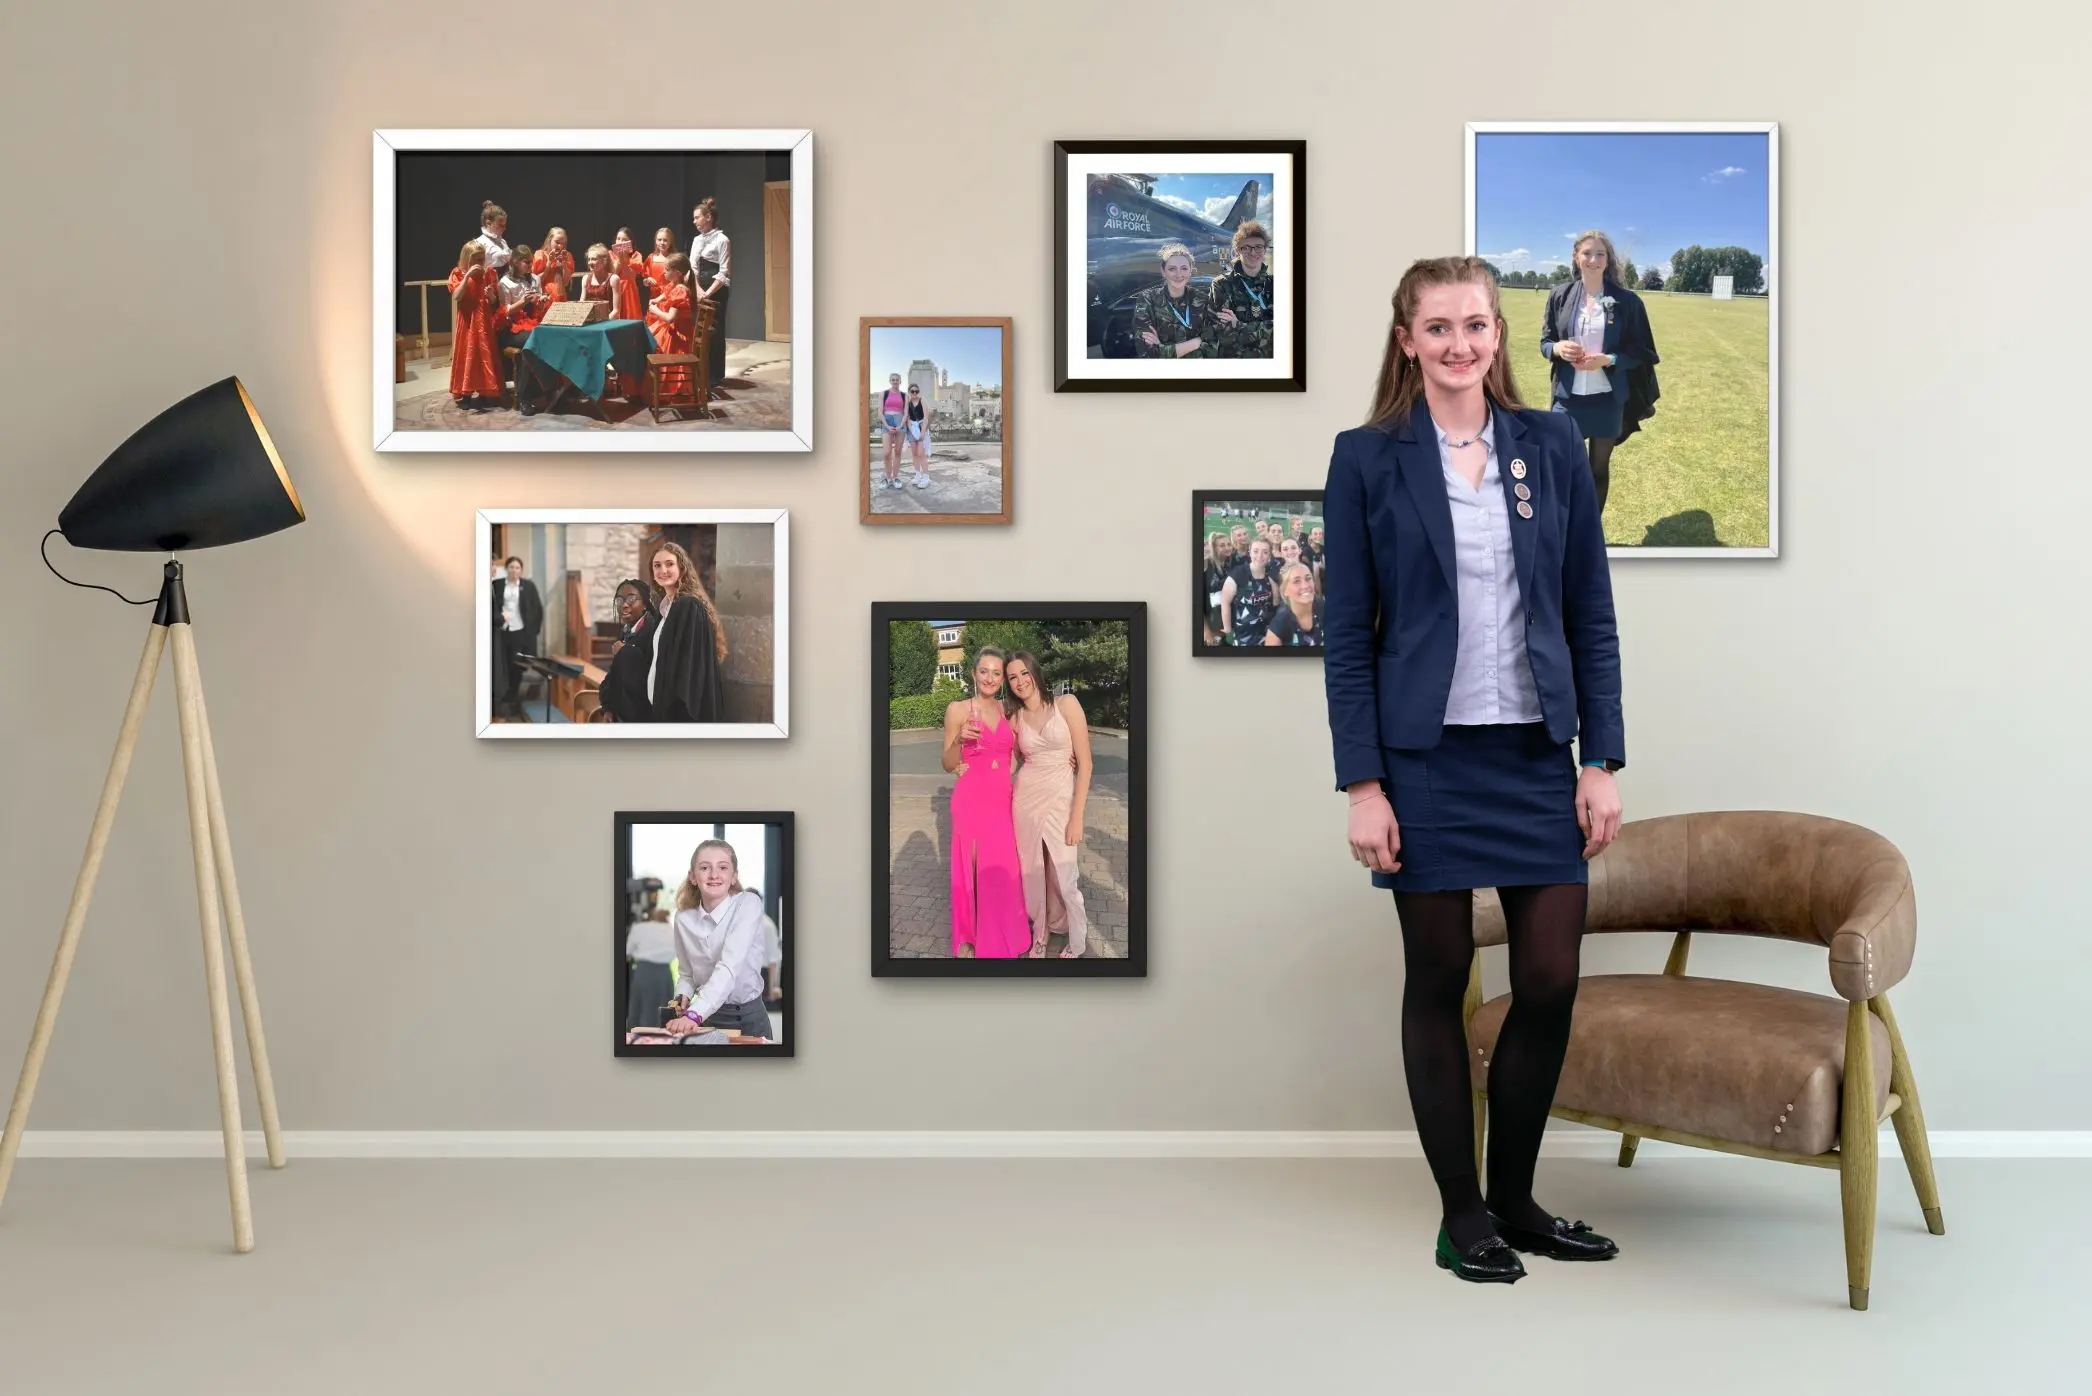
(686, 675)
(475, 355)
(624, 682)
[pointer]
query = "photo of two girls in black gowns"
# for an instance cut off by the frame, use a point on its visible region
(630, 623)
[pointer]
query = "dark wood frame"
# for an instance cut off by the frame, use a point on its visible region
(1294, 150)
(1135, 965)
(1199, 500)
(865, 325)
(778, 880)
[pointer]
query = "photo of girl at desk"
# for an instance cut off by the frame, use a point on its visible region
(720, 949)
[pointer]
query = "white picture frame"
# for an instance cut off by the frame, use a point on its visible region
(388, 144)
(1769, 180)
(483, 722)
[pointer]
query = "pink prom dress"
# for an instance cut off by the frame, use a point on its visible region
(987, 889)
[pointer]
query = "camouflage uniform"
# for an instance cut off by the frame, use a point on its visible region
(1154, 310)
(1250, 338)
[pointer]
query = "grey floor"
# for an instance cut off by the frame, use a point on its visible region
(978, 1277)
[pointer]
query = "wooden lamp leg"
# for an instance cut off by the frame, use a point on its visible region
(83, 893)
(188, 700)
(1858, 1152)
(236, 930)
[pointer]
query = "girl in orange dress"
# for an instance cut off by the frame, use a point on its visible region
(670, 318)
(475, 301)
(600, 283)
(554, 265)
(631, 272)
(657, 260)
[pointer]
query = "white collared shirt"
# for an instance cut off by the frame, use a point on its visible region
(515, 289)
(1492, 672)
(512, 605)
(1590, 333)
(496, 245)
(720, 953)
(654, 663)
(712, 247)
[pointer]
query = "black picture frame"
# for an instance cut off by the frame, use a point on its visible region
(1200, 499)
(1134, 964)
(1295, 234)
(778, 903)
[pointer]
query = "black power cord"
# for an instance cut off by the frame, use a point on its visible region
(42, 550)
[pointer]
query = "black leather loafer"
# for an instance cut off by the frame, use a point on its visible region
(1487, 1261)
(1562, 1241)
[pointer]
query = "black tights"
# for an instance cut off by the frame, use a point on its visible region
(1546, 927)
(1601, 449)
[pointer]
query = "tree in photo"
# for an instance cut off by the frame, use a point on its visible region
(911, 658)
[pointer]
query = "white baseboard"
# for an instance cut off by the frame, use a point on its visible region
(1562, 1142)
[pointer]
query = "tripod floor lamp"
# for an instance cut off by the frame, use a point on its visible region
(202, 474)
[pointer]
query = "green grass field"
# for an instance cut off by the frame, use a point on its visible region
(1695, 474)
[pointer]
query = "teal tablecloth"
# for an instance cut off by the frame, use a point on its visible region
(582, 354)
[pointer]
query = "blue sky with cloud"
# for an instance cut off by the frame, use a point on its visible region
(1212, 195)
(1652, 193)
(973, 353)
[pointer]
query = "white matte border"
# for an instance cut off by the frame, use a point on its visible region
(1080, 366)
(780, 648)
(385, 436)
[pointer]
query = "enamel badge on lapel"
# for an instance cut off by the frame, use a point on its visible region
(1525, 510)
(1518, 470)
(1522, 491)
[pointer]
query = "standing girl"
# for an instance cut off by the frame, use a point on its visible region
(719, 948)
(988, 920)
(475, 306)
(1469, 637)
(1052, 787)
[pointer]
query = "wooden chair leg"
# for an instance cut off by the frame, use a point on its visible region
(1857, 1154)
(1469, 1002)
(1681, 946)
(1627, 1143)
(1909, 1120)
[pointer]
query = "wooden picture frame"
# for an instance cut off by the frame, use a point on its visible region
(962, 480)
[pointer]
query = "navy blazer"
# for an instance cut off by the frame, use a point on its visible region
(1627, 338)
(1391, 626)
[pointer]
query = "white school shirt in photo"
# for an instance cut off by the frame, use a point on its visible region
(654, 663)
(515, 288)
(651, 941)
(497, 248)
(512, 605)
(720, 953)
(713, 247)
(1590, 333)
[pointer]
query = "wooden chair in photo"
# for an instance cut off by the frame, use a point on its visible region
(692, 390)
(1733, 1066)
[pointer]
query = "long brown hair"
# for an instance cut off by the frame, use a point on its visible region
(1612, 257)
(1401, 379)
(1038, 682)
(687, 584)
(687, 895)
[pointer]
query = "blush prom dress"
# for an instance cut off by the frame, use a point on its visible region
(1045, 799)
(987, 891)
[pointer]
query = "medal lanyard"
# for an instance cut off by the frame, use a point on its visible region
(1183, 316)
(1252, 291)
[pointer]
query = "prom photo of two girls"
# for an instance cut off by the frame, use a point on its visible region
(1009, 789)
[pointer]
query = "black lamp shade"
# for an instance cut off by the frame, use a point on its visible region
(200, 475)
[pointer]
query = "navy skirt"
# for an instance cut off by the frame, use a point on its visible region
(1489, 806)
(1597, 415)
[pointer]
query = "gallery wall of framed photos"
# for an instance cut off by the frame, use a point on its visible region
(447, 880)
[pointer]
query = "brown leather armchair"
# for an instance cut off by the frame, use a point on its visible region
(1724, 1064)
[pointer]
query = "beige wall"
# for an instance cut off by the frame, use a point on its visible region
(1915, 662)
